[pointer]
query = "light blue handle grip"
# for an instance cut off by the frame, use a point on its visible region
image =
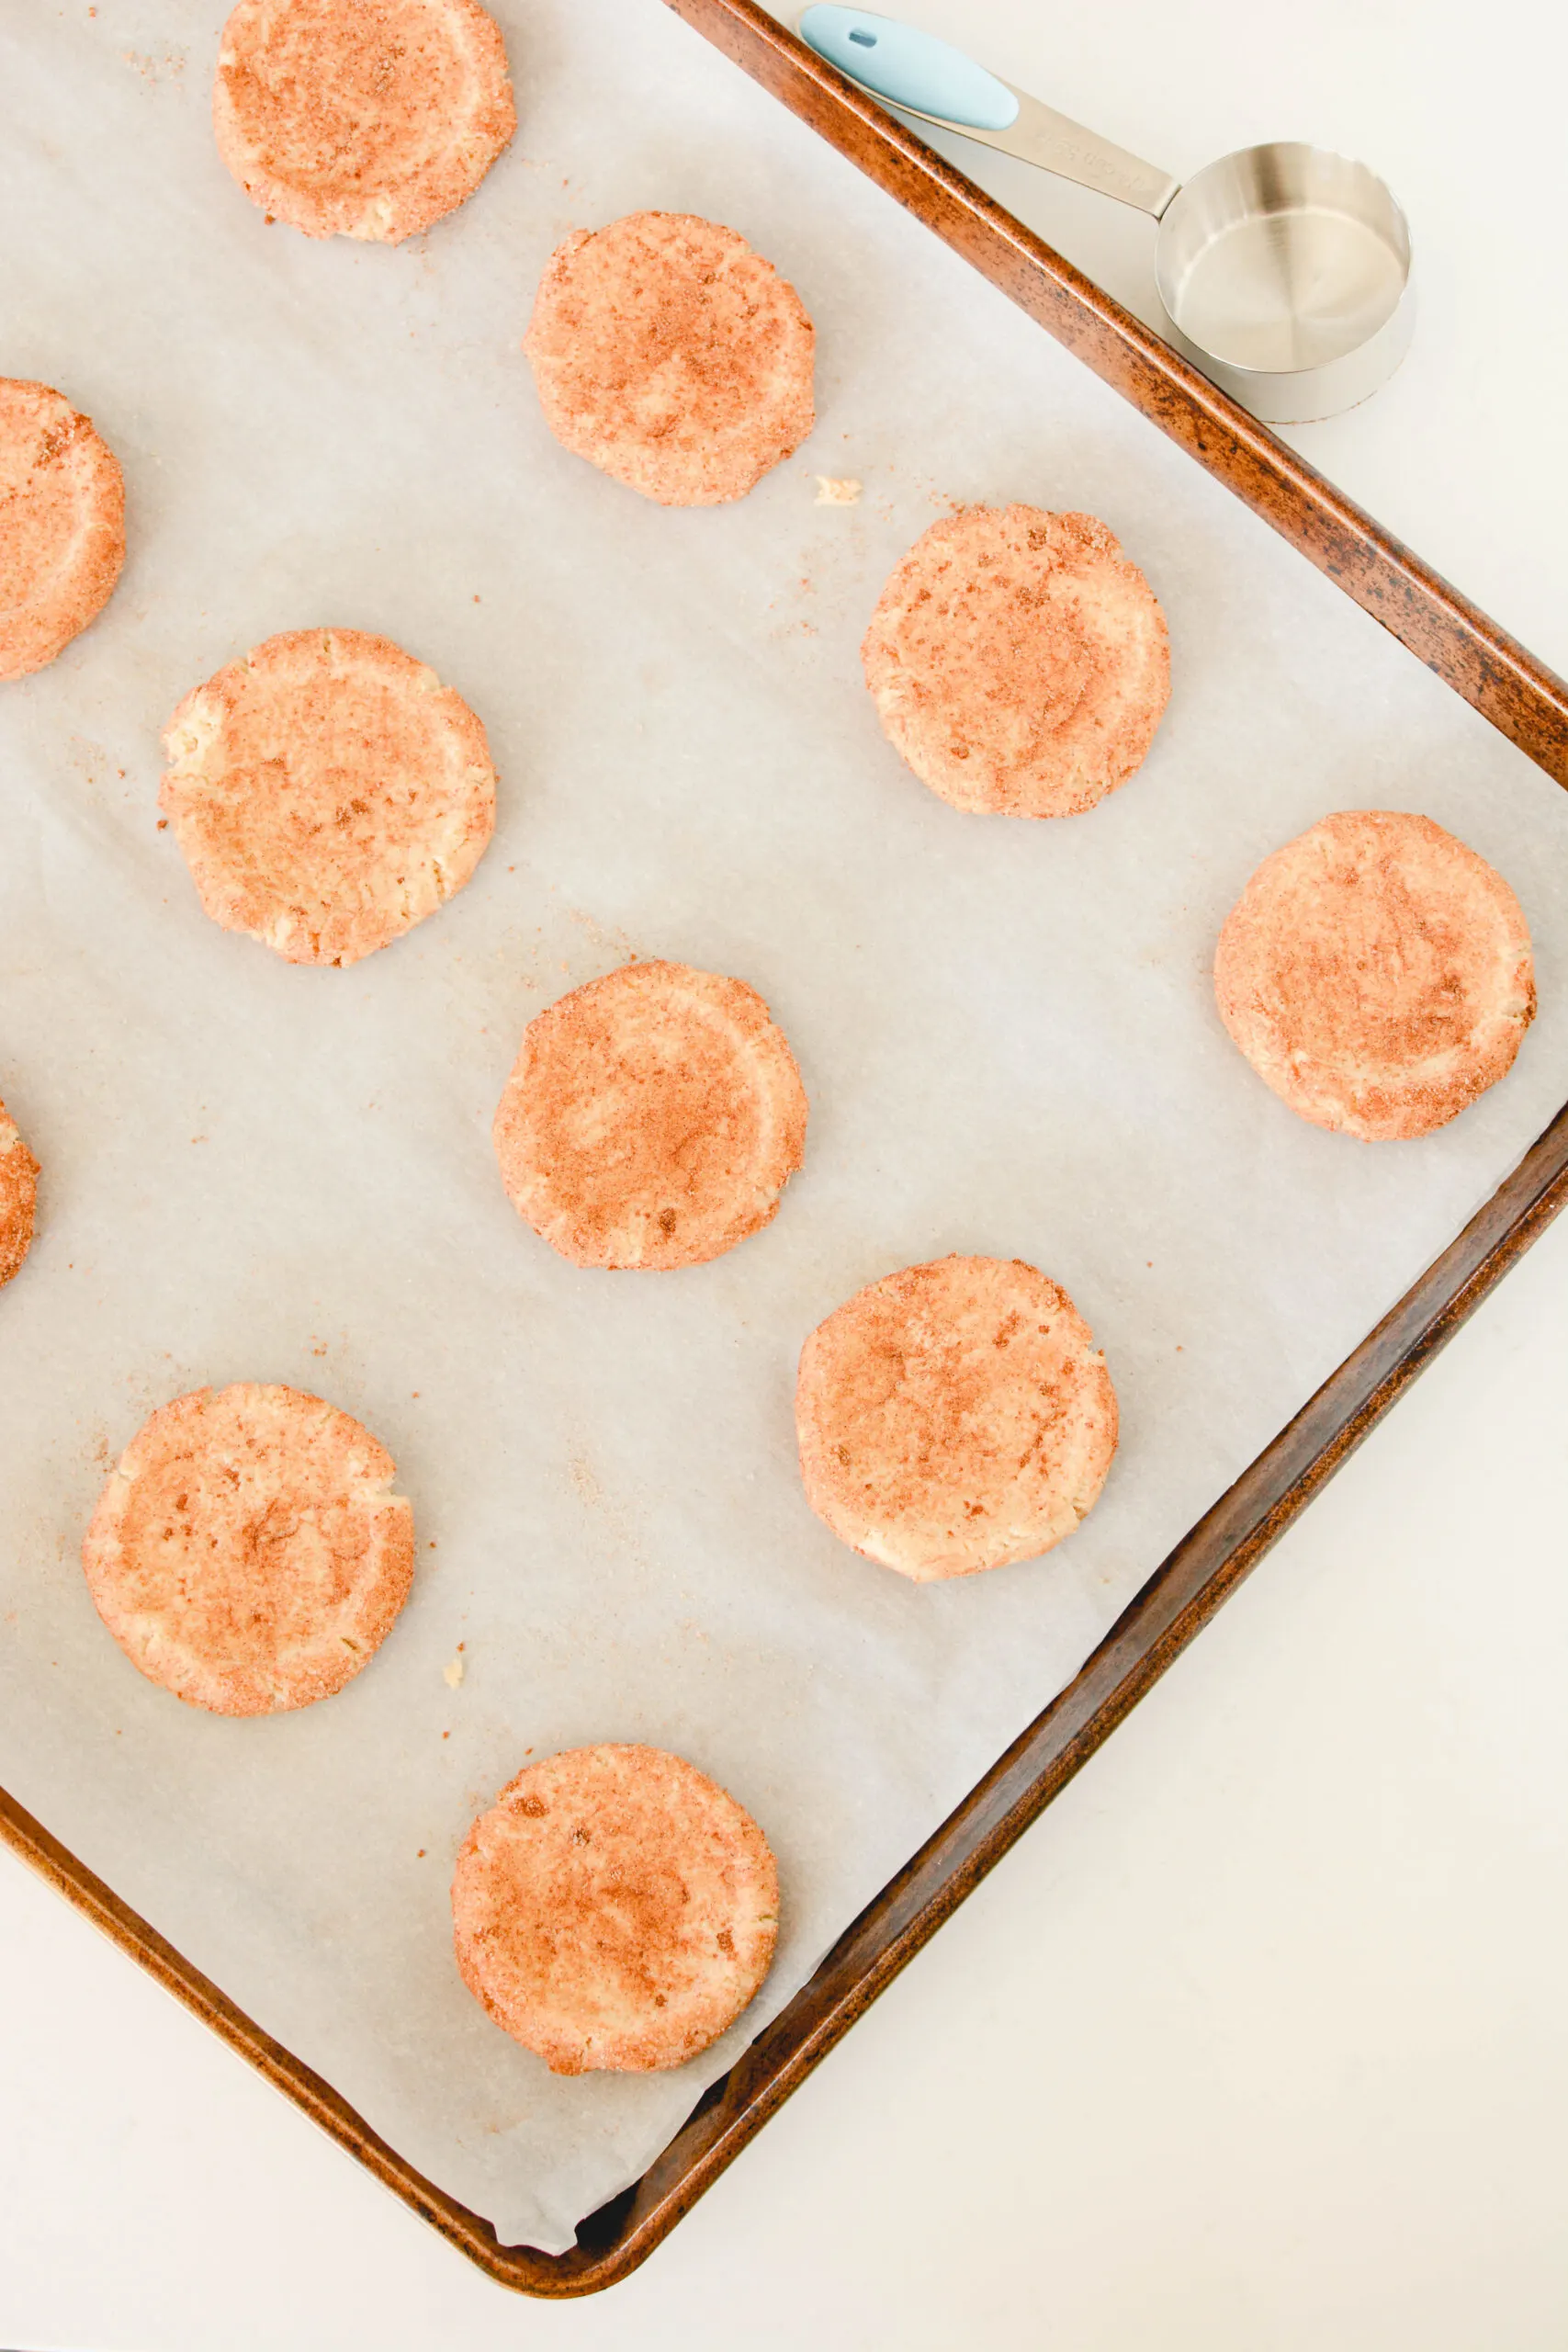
(912, 69)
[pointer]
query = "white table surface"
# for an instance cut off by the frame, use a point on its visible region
(1313, 1898)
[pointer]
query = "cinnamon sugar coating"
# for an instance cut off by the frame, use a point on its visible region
(361, 117)
(1019, 662)
(248, 1553)
(18, 1197)
(615, 1909)
(954, 1416)
(670, 355)
(1377, 974)
(328, 793)
(651, 1118)
(61, 526)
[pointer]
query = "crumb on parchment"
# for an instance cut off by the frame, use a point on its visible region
(831, 493)
(452, 1675)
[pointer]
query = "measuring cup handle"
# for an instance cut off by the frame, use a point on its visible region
(912, 69)
(928, 77)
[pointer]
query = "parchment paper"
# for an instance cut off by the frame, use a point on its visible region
(1006, 1033)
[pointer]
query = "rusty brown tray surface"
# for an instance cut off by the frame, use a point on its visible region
(1526, 702)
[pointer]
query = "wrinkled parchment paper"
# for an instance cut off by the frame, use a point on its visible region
(1006, 1032)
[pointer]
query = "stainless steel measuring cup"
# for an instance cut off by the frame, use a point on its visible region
(1284, 270)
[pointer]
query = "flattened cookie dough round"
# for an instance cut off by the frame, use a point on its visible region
(651, 1119)
(361, 117)
(61, 526)
(328, 793)
(953, 1417)
(1019, 662)
(615, 1909)
(18, 1197)
(1377, 974)
(249, 1552)
(670, 355)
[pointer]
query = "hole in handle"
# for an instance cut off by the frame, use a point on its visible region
(863, 40)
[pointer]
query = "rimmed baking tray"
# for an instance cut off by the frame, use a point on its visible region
(1519, 697)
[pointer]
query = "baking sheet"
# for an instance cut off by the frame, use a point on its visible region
(1006, 1031)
